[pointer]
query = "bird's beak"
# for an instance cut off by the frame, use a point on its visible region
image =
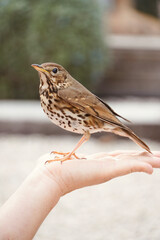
(39, 68)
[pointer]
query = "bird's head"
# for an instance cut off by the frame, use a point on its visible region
(52, 74)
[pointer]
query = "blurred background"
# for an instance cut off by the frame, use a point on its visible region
(113, 48)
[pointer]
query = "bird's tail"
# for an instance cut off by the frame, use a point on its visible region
(126, 132)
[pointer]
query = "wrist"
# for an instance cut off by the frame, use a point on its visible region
(49, 179)
(57, 177)
(26, 209)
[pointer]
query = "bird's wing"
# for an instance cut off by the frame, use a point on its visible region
(78, 96)
(113, 110)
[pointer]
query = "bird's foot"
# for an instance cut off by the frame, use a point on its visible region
(62, 159)
(66, 156)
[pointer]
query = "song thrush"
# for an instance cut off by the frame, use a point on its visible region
(71, 106)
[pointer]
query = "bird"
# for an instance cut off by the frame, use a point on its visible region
(73, 107)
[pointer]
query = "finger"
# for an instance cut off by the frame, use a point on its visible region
(121, 152)
(156, 153)
(130, 166)
(154, 161)
(97, 155)
(142, 156)
(131, 152)
(107, 168)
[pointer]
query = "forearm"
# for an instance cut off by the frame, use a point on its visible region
(25, 210)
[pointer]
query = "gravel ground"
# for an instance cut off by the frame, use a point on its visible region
(124, 208)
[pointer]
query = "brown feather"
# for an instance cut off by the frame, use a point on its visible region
(126, 132)
(112, 110)
(80, 97)
(77, 95)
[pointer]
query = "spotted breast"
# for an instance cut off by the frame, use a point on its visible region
(67, 116)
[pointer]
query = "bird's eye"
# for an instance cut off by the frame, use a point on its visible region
(55, 70)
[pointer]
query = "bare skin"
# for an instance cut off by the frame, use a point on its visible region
(43, 188)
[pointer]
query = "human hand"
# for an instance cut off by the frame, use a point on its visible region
(100, 167)
(26, 209)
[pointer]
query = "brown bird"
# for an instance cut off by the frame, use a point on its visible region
(71, 106)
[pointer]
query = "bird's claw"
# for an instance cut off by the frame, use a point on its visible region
(64, 154)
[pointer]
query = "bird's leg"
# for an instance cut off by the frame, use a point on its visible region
(84, 139)
(68, 156)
